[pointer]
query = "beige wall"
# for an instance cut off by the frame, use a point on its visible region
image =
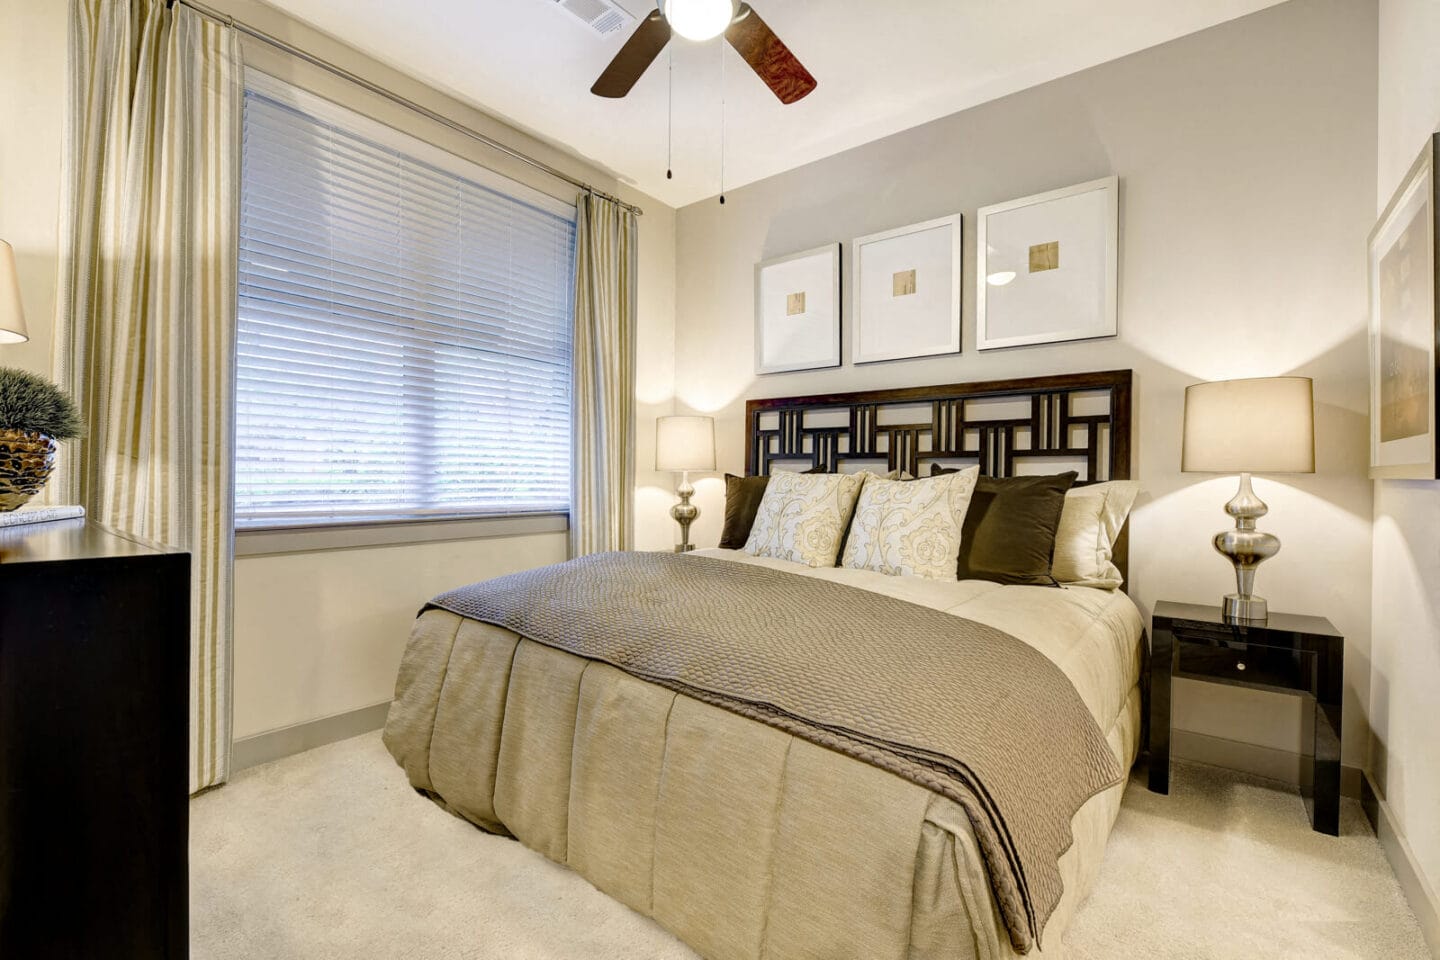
(1405, 659)
(32, 108)
(316, 634)
(1247, 178)
(320, 634)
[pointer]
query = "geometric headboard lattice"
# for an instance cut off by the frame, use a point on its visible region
(1032, 425)
(1077, 421)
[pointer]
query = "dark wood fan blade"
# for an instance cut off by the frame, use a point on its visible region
(768, 56)
(638, 53)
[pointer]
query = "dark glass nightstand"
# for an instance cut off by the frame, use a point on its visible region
(1287, 653)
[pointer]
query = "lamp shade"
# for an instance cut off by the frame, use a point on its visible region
(1265, 425)
(685, 443)
(12, 316)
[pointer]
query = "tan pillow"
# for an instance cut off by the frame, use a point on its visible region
(803, 517)
(910, 527)
(1085, 540)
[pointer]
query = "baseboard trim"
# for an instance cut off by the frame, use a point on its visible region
(287, 741)
(1251, 758)
(1418, 892)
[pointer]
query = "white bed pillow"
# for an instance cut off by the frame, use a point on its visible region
(1085, 540)
(910, 527)
(803, 517)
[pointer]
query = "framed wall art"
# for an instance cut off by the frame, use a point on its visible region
(1048, 267)
(1404, 326)
(907, 292)
(797, 311)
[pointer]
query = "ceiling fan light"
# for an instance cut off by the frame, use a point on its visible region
(699, 20)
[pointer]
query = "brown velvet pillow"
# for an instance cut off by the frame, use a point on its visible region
(742, 500)
(1009, 531)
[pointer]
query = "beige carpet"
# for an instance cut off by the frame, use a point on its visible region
(329, 854)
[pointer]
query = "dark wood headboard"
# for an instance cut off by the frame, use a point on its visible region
(1078, 421)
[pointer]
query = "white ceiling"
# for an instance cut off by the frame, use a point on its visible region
(882, 66)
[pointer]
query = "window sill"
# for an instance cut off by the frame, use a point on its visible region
(265, 541)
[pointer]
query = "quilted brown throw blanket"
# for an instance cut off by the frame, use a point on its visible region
(958, 707)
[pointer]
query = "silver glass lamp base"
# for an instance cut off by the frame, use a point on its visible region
(684, 513)
(1247, 548)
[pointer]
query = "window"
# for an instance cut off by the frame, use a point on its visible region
(404, 328)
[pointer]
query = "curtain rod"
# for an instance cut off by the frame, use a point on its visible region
(397, 99)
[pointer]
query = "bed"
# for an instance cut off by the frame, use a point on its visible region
(755, 834)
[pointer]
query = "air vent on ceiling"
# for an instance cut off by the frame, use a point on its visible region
(602, 16)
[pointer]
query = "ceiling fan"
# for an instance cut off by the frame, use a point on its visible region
(702, 20)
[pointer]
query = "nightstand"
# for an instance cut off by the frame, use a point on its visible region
(1286, 653)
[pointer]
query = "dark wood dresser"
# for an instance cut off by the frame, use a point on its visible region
(94, 704)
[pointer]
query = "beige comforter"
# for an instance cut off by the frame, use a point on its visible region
(742, 839)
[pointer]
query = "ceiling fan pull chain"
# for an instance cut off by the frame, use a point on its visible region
(721, 46)
(670, 123)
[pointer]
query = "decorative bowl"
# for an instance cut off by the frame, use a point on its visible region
(27, 458)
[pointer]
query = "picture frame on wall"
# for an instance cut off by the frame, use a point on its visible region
(1047, 267)
(1404, 324)
(797, 311)
(907, 291)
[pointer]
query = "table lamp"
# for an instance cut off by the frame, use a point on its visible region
(1264, 425)
(12, 316)
(683, 444)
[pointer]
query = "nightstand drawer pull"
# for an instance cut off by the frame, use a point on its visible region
(1247, 664)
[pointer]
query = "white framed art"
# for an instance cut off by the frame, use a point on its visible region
(907, 292)
(1404, 324)
(1048, 267)
(797, 311)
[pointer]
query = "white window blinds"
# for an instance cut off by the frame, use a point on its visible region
(404, 329)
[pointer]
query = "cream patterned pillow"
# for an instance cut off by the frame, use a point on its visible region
(1085, 540)
(910, 528)
(803, 517)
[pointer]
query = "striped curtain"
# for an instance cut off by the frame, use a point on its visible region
(146, 305)
(602, 513)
